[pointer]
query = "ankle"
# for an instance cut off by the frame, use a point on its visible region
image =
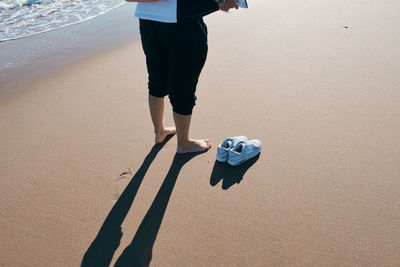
(159, 131)
(183, 143)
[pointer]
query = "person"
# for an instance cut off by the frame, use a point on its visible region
(174, 41)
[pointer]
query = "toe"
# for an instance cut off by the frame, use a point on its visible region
(208, 143)
(170, 130)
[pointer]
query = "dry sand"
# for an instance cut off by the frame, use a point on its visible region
(324, 100)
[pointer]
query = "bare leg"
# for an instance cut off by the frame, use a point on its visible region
(156, 105)
(185, 144)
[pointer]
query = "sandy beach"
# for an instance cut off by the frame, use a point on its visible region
(317, 82)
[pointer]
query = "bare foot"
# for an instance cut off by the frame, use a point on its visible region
(160, 137)
(194, 146)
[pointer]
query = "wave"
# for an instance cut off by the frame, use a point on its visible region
(10, 4)
(31, 17)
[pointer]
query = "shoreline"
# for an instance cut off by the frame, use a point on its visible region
(35, 57)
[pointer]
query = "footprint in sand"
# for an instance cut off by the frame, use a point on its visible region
(129, 172)
(119, 185)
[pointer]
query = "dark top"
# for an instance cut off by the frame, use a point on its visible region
(195, 8)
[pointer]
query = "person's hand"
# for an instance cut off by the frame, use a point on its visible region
(228, 5)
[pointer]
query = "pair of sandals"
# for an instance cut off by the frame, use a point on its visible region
(237, 150)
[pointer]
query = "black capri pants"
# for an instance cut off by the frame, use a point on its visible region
(175, 55)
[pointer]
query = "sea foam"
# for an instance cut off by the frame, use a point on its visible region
(21, 18)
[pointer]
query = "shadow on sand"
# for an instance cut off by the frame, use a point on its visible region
(230, 175)
(139, 252)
